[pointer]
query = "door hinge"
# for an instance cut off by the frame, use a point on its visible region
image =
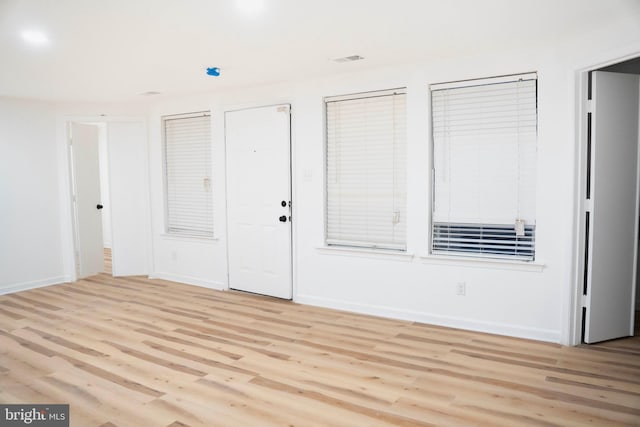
(583, 300)
(284, 109)
(589, 105)
(588, 205)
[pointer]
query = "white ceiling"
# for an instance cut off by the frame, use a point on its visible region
(114, 50)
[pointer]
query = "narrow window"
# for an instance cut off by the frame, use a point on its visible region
(366, 170)
(187, 150)
(484, 159)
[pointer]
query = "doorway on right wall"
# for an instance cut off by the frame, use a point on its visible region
(610, 202)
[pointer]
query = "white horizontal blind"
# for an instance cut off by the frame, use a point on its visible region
(484, 155)
(187, 143)
(486, 240)
(366, 170)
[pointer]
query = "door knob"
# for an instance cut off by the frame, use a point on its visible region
(283, 218)
(99, 206)
(283, 204)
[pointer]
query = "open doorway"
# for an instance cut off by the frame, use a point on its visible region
(90, 187)
(609, 201)
(116, 216)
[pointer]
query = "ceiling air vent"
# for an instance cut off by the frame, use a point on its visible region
(349, 58)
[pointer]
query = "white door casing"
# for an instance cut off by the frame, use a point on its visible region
(258, 147)
(86, 185)
(613, 227)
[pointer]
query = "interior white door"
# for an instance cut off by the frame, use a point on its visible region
(258, 145)
(86, 184)
(614, 213)
(128, 195)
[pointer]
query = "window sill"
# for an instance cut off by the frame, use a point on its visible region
(195, 239)
(366, 253)
(490, 263)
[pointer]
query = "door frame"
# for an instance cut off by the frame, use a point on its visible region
(67, 210)
(292, 186)
(576, 298)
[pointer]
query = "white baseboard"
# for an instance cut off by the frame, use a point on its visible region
(25, 286)
(434, 319)
(189, 280)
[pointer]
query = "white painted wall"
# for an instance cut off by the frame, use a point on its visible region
(30, 238)
(513, 299)
(196, 261)
(500, 297)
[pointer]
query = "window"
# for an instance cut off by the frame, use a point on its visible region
(484, 167)
(187, 149)
(365, 175)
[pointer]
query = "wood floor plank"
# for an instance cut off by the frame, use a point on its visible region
(126, 351)
(468, 397)
(35, 302)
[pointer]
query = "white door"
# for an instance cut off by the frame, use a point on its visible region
(86, 184)
(614, 213)
(129, 201)
(258, 145)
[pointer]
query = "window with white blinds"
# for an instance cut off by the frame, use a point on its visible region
(187, 149)
(484, 161)
(366, 170)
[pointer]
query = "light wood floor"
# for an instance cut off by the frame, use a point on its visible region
(136, 352)
(107, 261)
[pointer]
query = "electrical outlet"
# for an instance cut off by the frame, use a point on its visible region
(461, 288)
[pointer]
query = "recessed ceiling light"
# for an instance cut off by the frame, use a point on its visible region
(250, 7)
(35, 37)
(150, 93)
